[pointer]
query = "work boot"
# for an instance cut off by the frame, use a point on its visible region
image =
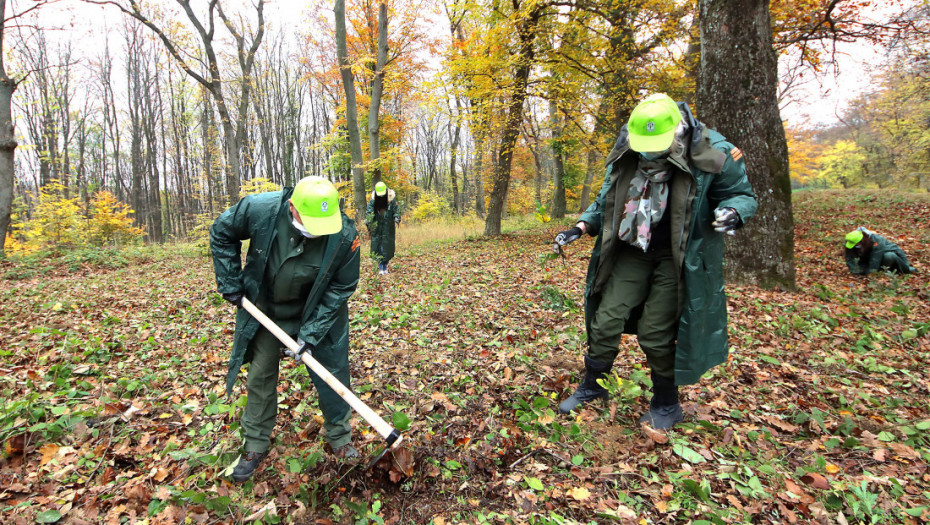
(664, 408)
(346, 451)
(248, 462)
(588, 390)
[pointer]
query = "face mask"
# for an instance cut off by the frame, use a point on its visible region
(303, 231)
(653, 155)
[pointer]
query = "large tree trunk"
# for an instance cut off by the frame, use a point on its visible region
(7, 143)
(7, 140)
(377, 90)
(526, 33)
(737, 95)
(348, 83)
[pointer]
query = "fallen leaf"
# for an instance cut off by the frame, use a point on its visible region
(269, 509)
(657, 436)
(579, 493)
(780, 424)
(816, 480)
(48, 451)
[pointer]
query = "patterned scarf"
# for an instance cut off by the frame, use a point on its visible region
(646, 201)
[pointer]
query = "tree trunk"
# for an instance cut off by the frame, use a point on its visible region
(348, 83)
(7, 143)
(479, 176)
(377, 90)
(455, 135)
(737, 95)
(558, 174)
(526, 33)
(591, 169)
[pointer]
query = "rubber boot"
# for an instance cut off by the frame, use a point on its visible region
(346, 451)
(664, 409)
(248, 462)
(588, 390)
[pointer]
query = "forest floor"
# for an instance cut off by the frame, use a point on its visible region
(112, 372)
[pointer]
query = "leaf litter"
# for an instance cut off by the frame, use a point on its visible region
(115, 410)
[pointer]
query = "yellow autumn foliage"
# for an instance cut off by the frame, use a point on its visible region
(110, 221)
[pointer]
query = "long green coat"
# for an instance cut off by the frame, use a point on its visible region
(880, 249)
(708, 178)
(382, 228)
(325, 318)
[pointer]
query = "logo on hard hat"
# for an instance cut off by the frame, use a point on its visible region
(324, 206)
(650, 127)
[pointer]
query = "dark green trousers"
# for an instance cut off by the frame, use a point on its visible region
(261, 408)
(637, 278)
(893, 263)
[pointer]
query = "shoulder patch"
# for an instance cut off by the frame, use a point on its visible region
(736, 153)
(356, 243)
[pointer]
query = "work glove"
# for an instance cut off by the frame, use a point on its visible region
(568, 236)
(304, 348)
(397, 219)
(725, 220)
(234, 297)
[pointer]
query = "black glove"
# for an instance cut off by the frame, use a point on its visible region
(397, 219)
(568, 236)
(304, 348)
(725, 220)
(234, 297)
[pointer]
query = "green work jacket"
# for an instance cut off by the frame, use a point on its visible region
(880, 248)
(382, 228)
(705, 178)
(324, 321)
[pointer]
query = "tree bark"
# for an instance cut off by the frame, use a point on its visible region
(737, 95)
(7, 140)
(377, 90)
(526, 34)
(558, 173)
(455, 131)
(591, 169)
(479, 175)
(348, 83)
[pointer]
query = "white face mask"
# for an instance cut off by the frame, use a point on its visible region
(303, 231)
(653, 155)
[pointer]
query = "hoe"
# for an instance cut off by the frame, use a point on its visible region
(390, 434)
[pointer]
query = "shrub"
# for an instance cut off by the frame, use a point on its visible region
(429, 206)
(110, 221)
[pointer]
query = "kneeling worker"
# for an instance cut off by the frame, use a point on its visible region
(868, 252)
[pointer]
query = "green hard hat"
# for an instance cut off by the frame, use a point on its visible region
(853, 238)
(380, 189)
(652, 123)
(317, 202)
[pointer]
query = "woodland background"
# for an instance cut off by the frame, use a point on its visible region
(178, 108)
(491, 119)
